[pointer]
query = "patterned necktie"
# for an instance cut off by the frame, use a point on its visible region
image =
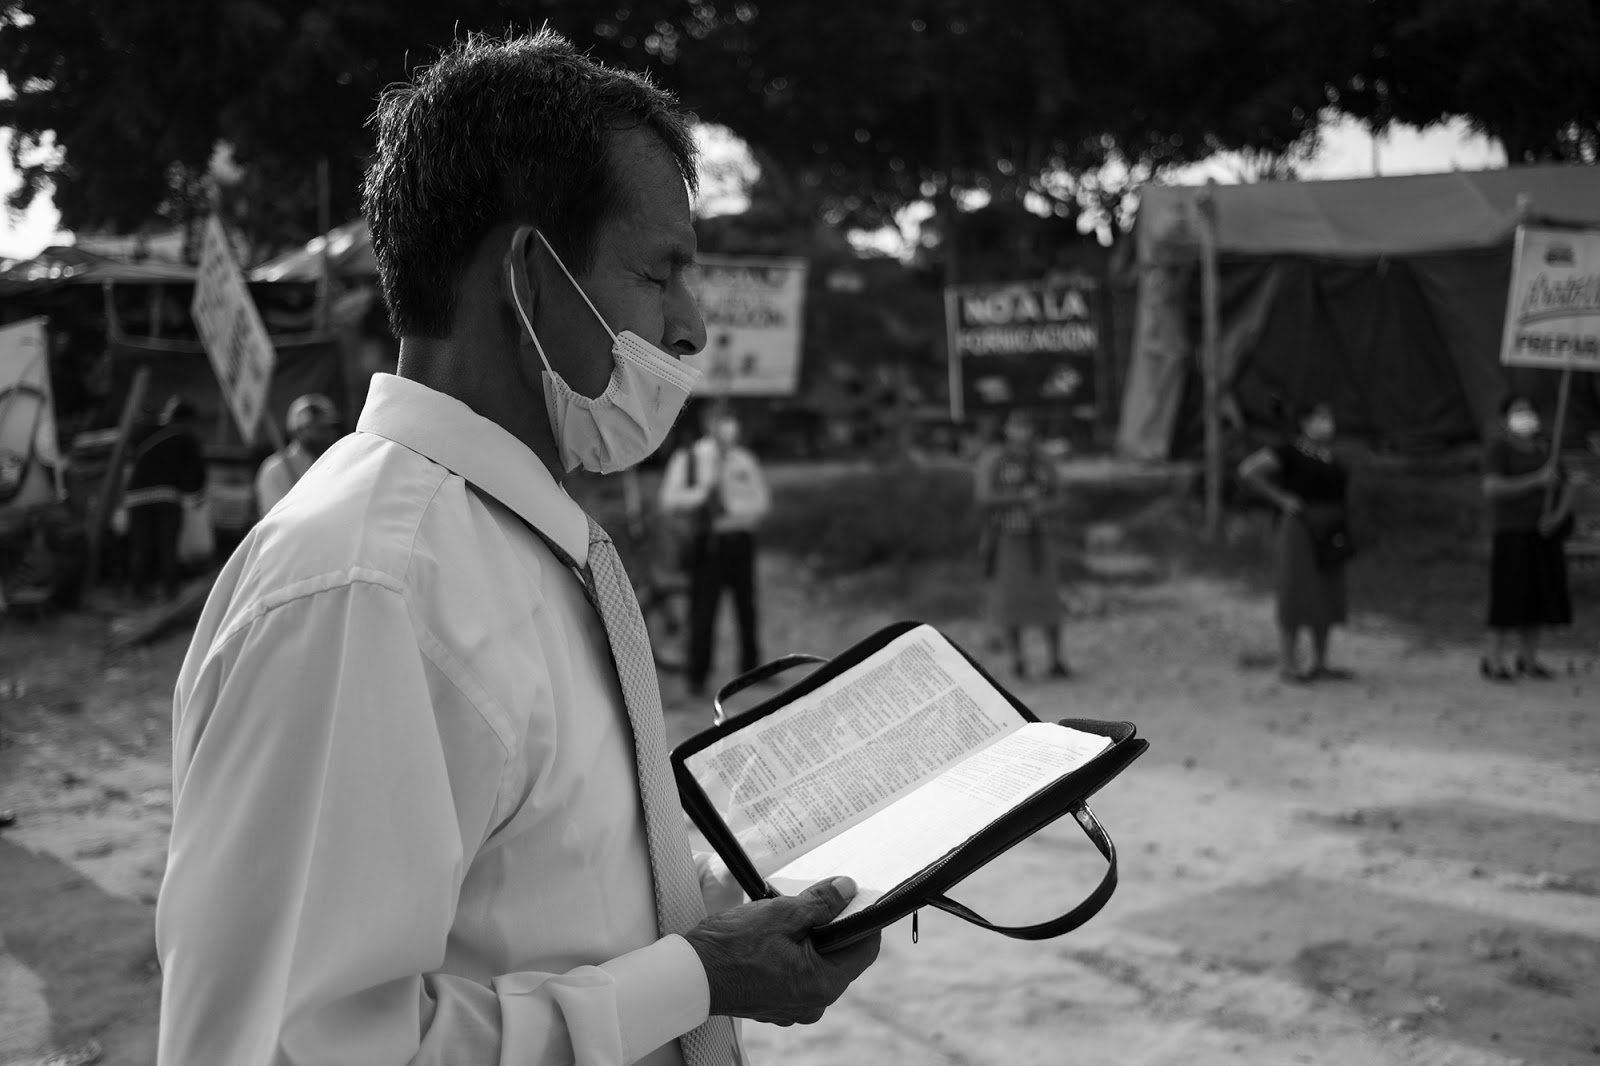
(679, 906)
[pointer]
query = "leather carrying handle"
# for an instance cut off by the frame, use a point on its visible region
(755, 677)
(1067, 922)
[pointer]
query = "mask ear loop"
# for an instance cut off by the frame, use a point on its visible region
(516, 301)
(603, 325)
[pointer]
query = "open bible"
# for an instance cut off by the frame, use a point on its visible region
(901, 764)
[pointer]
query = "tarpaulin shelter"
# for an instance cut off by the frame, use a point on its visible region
(1382, 296)
(67, 265)
(349, 251)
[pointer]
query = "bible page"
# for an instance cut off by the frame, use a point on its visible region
(835, 756)
(922, 827)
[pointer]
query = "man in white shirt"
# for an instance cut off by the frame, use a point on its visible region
(313, 425)
(717, 483)
(417, 808)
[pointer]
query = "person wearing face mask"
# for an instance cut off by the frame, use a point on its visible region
(422, 809)
(1527, 563)
(715, 483)
(313, 424)
(1309, 486)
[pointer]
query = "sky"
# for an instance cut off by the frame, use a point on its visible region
(1346, 152)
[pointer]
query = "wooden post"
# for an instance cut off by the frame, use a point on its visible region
(1558, 432)
(111, 488)
(324, 223)
(1207, 212)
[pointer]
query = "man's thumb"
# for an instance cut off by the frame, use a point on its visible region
(825, 899)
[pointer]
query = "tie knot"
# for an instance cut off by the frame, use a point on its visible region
(597, 536)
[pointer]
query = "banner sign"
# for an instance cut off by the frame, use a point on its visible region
(1553, 313)
(753, 310)
(230, 327)
(30, 458)
(1033, 344)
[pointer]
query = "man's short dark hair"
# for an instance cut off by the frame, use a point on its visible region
(513, 130)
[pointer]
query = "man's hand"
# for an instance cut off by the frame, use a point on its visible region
(760, 962)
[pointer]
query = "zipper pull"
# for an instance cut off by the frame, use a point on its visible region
(914, 915)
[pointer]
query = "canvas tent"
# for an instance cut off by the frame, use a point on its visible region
(1382, 296)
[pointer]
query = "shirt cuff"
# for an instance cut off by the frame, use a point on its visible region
(662, 992)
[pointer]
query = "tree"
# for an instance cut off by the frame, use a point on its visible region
(1520, 71)
(854, 109)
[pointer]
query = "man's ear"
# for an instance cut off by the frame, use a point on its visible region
(517, 282)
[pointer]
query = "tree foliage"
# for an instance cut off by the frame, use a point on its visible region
(855, 109)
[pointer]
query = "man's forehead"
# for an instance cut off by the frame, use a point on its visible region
(653, 207)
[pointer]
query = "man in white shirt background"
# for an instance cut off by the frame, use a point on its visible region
(716, 483)
(419, 767)
(313, 425)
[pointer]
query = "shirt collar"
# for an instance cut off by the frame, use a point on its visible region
(447, 431)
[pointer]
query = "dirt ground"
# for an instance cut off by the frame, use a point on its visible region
(1399, 869)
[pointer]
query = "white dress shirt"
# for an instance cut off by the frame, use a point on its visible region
(406, 814)
(732, 471)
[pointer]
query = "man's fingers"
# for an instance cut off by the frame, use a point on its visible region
(855, 958)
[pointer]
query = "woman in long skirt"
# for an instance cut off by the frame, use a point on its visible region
(1530, 502)
(1309, 487)
(1015, 486)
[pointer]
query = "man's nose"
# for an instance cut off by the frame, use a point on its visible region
(686, 330)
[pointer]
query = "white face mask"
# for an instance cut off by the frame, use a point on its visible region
(1523, 423)
(622, 426)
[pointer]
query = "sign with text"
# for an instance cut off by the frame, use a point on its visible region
(231, 329)
(753, 309)
(30, 460)
(1032, 344)
(1553, 313)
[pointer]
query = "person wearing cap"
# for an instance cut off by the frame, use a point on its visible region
(168, 466)
(313, 424)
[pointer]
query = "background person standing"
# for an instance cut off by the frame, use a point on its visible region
(716, 487)
(313, 424)
(169, 465)
(1309, 486)
(1015, 485)
(1527, 564)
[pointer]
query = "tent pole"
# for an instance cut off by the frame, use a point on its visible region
(1209, 360)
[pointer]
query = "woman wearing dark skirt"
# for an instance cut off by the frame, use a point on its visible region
(1309, 487)
(1016, 485)
(1527, 562)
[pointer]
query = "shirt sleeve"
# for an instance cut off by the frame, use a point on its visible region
(272, 484)
(750, 504)
(677, 495)
(331, 786)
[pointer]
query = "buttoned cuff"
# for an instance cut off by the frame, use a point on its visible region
(662, 992)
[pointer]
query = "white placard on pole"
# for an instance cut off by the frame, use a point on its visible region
(230, 327)
(753, 309)
(1553, 311)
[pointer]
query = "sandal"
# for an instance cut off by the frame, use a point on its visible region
(1494, 671)
(1534, 669)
